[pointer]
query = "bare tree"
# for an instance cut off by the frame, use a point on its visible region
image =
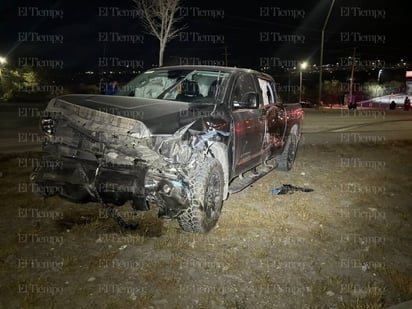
(158, 18)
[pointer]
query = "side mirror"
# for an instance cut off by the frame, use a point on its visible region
(249, 100)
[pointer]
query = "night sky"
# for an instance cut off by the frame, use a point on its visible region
(88, 35)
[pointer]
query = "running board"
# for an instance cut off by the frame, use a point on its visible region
(250, 177)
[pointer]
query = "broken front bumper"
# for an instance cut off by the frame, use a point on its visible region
(85, 181)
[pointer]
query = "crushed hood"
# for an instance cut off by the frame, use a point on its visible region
(159, 116)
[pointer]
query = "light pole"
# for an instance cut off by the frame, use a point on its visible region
(321, 52)
(302, 66)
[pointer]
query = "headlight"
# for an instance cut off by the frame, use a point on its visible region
(48, 125)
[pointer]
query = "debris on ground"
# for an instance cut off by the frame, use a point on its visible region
(289, 189)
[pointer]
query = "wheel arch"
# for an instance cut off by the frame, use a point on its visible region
(219, 151)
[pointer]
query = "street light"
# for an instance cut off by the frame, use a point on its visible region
(3, 61)
(303, 66)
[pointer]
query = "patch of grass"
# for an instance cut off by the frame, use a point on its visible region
(262, 282)
(38, 292)
(235, 303)
(150, 226)
(319, 233)
(340, 289)
(230, 261)
(141, 301)
(77, 219)
(255, 227)
(320, 287)
(262, 253)
(399, 282)
(103, 259)
(9, 249)
(152, 273)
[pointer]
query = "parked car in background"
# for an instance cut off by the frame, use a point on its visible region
(183, 137)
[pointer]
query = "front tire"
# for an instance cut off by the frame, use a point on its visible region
(206, 186)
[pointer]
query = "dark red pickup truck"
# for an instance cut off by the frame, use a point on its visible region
(183, 137)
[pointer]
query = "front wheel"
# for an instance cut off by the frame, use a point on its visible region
(206, 185)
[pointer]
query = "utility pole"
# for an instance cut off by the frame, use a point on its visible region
(321, 51)
(351, 77)
(289, 85)
(226, 54)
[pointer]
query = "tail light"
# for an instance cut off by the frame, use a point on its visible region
(296, 113)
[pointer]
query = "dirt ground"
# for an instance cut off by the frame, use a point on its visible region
(347, 244)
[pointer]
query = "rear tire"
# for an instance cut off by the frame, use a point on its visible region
(206, 186)
(287, 157)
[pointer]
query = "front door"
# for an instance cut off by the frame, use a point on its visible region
(249, 124)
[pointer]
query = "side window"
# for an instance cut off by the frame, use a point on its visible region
(268, 91)
(243, 85)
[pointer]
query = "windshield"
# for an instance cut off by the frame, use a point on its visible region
(186, 85)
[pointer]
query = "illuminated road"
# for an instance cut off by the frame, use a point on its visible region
(359, 126)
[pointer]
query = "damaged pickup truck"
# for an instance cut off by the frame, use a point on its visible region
(180, 137)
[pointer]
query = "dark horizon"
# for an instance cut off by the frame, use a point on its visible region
(103, 34)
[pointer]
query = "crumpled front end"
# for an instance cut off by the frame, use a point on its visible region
(109, 158)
